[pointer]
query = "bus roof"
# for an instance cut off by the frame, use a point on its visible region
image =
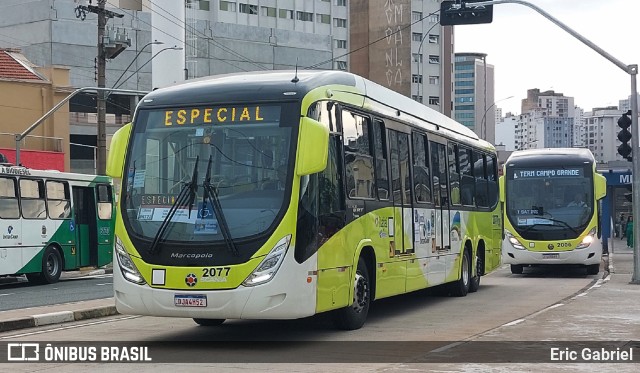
(550, 156)
(50, 174)
(270, 85)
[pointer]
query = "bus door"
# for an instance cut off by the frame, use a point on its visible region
(401, 192)
(85, 227)
(441, 208)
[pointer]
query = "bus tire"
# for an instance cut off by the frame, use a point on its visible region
(593, 269)
(475, 280)
(460, 288)
(516, 269)
(353, 316)
(51, 268)
(209, 322)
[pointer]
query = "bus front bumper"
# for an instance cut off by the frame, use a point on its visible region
(587, 256)
(281, 298)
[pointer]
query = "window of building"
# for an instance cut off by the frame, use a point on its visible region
(285, 13)
(434, 79)
(434, 18)
(434, 39)
(323, 18)
(433, 59)
(341, 65)
(416, 36)
(268, 11)
(341, 2)
(341, 44)
(416, 16)
(416, 57)
(416, 78)
(434, 100)
(228, 6)
(304, 16)
(340, 22)
(248, 8)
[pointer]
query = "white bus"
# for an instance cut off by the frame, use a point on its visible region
(52, 221)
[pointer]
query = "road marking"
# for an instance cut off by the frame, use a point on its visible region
(106, 283)
(69, 327)
(514, 322)
(2, 295)
(446, 347)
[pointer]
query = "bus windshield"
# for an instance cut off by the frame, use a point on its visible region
(549, 203)
(240, 152)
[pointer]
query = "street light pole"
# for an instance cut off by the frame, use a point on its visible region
(155, 42)
(421, 60)
(483, 122)
(632, 70)
(175, 47)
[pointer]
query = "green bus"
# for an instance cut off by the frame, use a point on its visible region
(53, 221)
(280, 195)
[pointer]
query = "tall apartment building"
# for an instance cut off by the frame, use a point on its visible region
(601, 131)
(474, 99)
(547, 121)
(401, 45)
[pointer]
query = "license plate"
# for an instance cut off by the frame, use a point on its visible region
(550, 256)
(181, 300)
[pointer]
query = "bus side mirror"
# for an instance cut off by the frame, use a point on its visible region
(119, 142)
(313, 147)
(501, 182)
(601, 186)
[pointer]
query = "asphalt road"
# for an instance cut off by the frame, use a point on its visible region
(18, 293)
(399, 329)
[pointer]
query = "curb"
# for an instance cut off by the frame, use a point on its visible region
(56, 318)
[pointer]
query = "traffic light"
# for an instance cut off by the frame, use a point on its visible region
(463, 12)
(624, 136)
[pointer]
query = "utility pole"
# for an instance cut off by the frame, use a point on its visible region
(104, 52)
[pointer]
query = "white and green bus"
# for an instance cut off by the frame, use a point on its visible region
(53, 221)
(277, 195)
(552, 209)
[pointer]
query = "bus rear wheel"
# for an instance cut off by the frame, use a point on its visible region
(353, 317)
(593, 269)
(51, 268)
(475, 280)
(209, 322)
(460, 288)
(516, 269)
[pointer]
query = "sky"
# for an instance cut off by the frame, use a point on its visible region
(529, 51)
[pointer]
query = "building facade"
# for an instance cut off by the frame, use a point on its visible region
(601, 132)
(474, 99)
(547, 121)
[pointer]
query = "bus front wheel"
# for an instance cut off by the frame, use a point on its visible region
(516, 269)
(51, 268)
(209, 322)
(353, 317)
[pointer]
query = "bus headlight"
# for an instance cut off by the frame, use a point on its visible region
(514, 241)
(587, 240)
(128, 268)
(269, 266)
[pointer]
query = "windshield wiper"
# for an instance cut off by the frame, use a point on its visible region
(187, 195)
(212, 194)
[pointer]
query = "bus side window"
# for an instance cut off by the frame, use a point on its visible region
(380, 152)
(421, 178)
(454, 173)
(32, 199)
(8, 199)
(358, 156)
(58, 200)
(104, 201)
(492, 177)
(467, 183)
(479, 171)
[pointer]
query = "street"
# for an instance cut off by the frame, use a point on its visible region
(399, 329)
(17, 293)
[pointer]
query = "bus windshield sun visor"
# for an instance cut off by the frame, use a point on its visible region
(187, 194)
(211, 193)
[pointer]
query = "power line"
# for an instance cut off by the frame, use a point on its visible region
(373, 42)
